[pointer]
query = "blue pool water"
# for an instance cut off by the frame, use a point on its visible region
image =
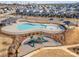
(26, 26)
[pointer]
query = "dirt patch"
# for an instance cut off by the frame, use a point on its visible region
(5, 42)
(74, 49)
(52, 53)
(72, 36)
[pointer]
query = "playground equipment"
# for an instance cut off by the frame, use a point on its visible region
(33, 41)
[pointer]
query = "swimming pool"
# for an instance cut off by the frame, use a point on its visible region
(22, 28)
(27, 26)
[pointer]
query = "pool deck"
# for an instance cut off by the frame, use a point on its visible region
(12, 30)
